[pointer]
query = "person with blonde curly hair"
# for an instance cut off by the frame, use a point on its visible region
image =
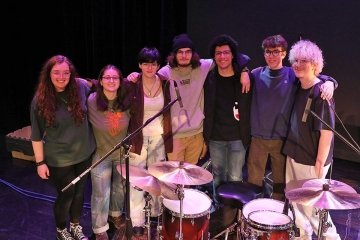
(310, 143)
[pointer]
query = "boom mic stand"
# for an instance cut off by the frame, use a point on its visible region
(335, 132)
(323, 213)
(127, 183)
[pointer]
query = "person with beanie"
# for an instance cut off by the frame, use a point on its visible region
(189, 72)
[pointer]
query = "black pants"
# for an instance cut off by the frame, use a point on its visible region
(68, 204)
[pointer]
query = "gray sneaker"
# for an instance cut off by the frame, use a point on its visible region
(76, 232)
(63, 234)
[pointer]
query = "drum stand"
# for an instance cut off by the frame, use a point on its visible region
(323, 224)
(235, 226)
(180, 192)
(147, 210)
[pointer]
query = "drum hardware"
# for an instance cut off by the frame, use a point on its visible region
(179, 172)
(195, 216)
(264, 218)
(236, 226)
(140, 178)
(147, 210)
(180, 192)
(325, 194)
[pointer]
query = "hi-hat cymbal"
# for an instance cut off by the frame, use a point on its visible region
(140, 178)
(180, 173)
(325, 194)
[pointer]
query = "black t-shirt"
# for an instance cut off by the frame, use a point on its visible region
(226, 127)
(303, 138)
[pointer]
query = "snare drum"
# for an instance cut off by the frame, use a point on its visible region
(261, 225)
(196, 215)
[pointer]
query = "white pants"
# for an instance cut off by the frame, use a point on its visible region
(152, 151)
(307, 220)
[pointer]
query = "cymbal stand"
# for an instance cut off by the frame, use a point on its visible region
(159, 222)
(180, 192)
(323, 223)
(147, 210)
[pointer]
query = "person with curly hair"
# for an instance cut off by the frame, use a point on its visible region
(62, 139)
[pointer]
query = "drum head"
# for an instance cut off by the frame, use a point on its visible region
(264, 204)
(195, 204)
(269, 220)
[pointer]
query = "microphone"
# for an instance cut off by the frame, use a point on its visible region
(178, 94)
(306, 110)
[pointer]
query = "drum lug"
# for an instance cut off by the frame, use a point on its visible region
(172, 219)
(192, 222)
(208, 216)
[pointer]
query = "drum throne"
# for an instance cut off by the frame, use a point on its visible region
(236, 195)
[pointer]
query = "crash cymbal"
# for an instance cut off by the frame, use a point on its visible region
(141, 178)
(333, 185)
(180, 173)
(325, 194)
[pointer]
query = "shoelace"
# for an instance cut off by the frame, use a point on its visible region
(65, 235)
(77, 232)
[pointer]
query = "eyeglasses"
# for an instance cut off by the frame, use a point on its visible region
(186, 52)
(150, 65)
(299, 61)
(108, 78)
(225, 53)
(61, 74)
(275, 53)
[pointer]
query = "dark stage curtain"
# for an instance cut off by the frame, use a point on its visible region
(92, 33)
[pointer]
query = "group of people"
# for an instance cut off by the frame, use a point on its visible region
(226, 110)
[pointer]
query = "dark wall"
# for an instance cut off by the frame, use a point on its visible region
(333, 25)
(92, 33)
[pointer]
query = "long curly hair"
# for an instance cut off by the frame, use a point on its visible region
(45, 93)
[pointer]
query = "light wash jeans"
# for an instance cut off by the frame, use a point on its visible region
(227, 159)
(107, 196)
(152, 151)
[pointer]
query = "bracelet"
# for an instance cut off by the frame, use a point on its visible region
(40, 163)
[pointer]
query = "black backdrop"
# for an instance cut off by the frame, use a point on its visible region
(97, 32)
(333, 25)
(92, 33)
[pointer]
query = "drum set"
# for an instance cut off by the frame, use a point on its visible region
(185, 211)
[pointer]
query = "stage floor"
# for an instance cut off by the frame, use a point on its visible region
(26, 203)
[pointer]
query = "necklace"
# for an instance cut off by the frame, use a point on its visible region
(66, 104)
(149, 90)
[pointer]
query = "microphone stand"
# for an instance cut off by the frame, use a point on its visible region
(335, 132)
(127, 183)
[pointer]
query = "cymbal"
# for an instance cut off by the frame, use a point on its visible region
(140, 178)
(325, 194)
(180, 173)
(169, 190)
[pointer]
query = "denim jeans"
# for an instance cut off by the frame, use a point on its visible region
(107, 196)
(152, 151)
(227, 158)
